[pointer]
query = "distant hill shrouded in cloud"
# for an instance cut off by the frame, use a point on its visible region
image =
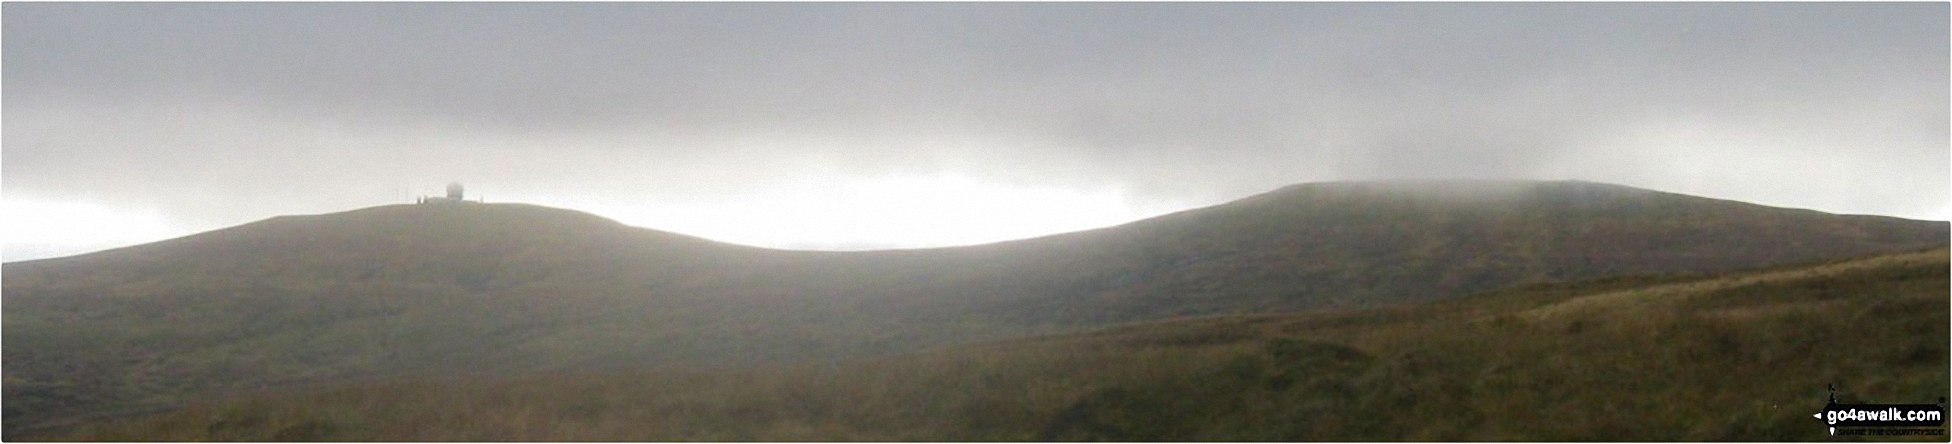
(503, 289)
(211, 114)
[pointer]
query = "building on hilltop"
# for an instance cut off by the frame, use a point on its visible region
(454, 195)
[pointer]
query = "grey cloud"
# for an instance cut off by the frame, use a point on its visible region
(1173, 101)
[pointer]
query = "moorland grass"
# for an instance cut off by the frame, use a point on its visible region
(1736, 357)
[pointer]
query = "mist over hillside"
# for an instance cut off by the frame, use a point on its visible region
(497, 290)
(1730, 357)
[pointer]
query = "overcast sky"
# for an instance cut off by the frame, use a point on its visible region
(850, 126)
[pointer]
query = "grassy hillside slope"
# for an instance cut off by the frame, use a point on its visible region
(502, 289)
(1742, 356)
(1361, 244)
